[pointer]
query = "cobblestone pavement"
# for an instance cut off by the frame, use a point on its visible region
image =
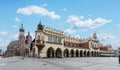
(88, 63)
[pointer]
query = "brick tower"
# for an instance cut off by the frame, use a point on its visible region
(21, 39)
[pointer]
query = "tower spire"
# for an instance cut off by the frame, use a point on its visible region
(21, 28)
(29, 33)
(40, 22)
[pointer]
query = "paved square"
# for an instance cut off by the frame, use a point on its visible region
(88, 63)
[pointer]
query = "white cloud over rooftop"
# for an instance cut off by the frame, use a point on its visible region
(70, 31)
(109, 39)
(78, 21)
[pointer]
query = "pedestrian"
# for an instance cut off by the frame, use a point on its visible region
(119, 58)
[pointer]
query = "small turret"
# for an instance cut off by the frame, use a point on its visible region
(40, 26)
(94, 36)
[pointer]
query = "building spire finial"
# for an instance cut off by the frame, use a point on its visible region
(21, 28)
(40, 22)
(21, 25)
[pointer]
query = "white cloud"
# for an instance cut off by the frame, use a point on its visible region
(43, 5)
(118, 25)
(14, 26)
(37, 10)
(70, 31)
(32, 34)
(64, 9)
(90, 15)
(109, 39)
(4, 42)
(14, 36)
(17, 19)
(79, 22)
(0, 41)
(3, 32)
(77, 36)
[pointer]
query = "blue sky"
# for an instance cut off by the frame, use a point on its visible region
(79, 18)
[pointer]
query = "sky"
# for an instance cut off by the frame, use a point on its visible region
(78, 18)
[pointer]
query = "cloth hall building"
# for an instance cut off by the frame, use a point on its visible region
(52, 43)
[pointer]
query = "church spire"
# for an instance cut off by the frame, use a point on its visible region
(28, 33)
(21, 28)
(40, 23)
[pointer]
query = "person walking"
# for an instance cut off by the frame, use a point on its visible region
(119, 58)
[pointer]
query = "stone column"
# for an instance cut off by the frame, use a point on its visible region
(54, 54)
(83, 54)
(74, 53)
(62, 53)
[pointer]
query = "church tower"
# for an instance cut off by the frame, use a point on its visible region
(21, 39)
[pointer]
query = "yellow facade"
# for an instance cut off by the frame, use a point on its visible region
(54, 43)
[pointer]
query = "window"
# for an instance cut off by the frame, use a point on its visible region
(49, 38)
(54, 39)
(59, 40)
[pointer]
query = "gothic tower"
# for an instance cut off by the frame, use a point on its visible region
(21, 39)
